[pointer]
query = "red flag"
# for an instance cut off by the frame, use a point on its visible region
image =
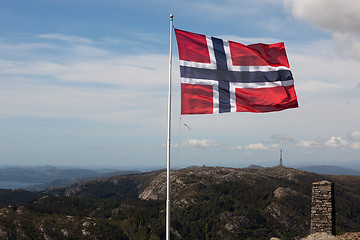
(220, 76)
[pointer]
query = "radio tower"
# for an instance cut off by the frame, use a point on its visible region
(281, 162)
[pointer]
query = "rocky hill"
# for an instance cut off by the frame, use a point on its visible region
(207, 203)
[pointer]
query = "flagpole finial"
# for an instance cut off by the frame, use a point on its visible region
(171, 16)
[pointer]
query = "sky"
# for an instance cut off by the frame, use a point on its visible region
(85, 83)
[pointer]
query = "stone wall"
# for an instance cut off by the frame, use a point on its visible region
(323, 208)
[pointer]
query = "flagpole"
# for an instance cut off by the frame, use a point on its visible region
(168, 138)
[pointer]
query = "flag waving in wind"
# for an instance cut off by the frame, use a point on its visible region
(220, 76)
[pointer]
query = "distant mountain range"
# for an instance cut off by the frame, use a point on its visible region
(43, 174)
(331, 170)
(44, 177)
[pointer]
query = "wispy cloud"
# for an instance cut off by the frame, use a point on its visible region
(333, 142)
(66, 38)
(24, 51)
(195, 143)
(308, 144)
(199, 143)
(277, 141)
(81, 80)
(84, 63)
(256, 146)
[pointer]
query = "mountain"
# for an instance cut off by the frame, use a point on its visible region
(207, 203)
(58, 183)
(43, 174)
(255, 166)
(331, 170)
(44, 177)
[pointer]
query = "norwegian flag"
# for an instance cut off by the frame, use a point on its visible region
(220, 76)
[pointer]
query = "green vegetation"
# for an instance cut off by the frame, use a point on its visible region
(207, 203)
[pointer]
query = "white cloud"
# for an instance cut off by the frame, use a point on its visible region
(194, 143)
(348, 44)
(336, 142)
(237, 147)
(256, 146)
(355, 135)
(329, 15)
(341, 18)
(199, 143)
(332, 142)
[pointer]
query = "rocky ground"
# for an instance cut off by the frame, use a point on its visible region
(326, 236)
(350, 236)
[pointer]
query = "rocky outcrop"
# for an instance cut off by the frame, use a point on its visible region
(284, 207)
(321, 236)
(156, 189)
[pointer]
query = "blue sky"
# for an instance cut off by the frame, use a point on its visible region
(84, 83)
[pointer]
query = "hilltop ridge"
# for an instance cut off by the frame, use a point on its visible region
(207, 202)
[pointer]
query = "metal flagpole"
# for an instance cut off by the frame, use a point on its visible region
(168, 138)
